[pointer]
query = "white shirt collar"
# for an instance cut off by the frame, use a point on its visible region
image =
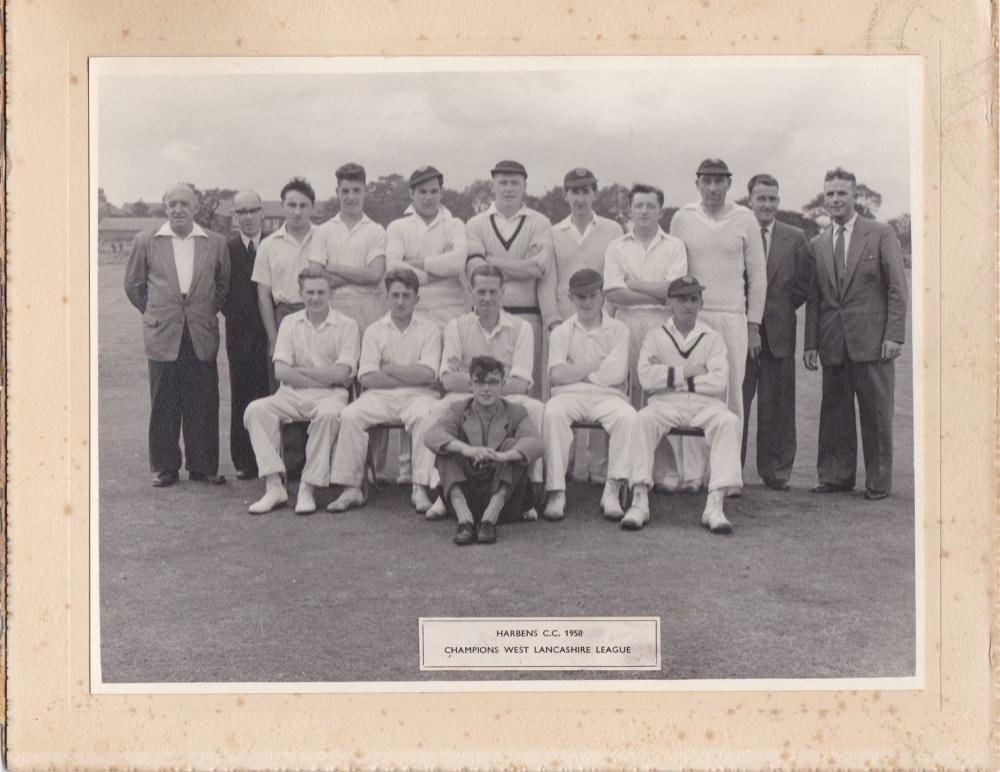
(247, 239)
(330, 320)
(699, 327)
(443, 214)
(166, 230)
(493, 210)
(605, 321)
(568, 222)
(660, 234)
(282, 233)
(848, 226)
(506, 320)
(363, 221)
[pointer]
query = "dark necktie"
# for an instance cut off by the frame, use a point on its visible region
(839, 264)
(251, 249)
(763, 237)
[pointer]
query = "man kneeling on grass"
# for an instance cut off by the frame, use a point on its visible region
(484, 448)
(315, 356)
(684, 366)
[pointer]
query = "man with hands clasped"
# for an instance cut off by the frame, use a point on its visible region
(684, 365)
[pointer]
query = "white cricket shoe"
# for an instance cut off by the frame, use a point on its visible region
(713, 517)
(274, 496)
(349, 497)
(611, 507)
(437, 511)
(419, 499)
(555, 508)
(305, 503)
(635, 518)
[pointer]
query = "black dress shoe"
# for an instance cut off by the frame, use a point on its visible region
(211, 479)
(246, 474)
(164, 479)
(876, 495)
(830, 488)
(466, 534)
(487, 532)
(776, 485)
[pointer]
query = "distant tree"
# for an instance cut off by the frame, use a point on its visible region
(387, 198)
(206, 204)
(140, 209)
(668, 217)
(479, 194)
(867, 205)
(456, 203)
(612, 202)
(553, 204)
(103, 207)
(811, 227)
(901, 225)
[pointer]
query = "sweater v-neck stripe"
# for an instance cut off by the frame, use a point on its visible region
(681, 351)
(507, 244)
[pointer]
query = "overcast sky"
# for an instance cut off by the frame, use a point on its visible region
(256, 123)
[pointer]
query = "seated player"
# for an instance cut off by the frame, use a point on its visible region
(315, 355)
(484, 446)
(588, 370)
(684, 366)
(488, 331)
(400, 357)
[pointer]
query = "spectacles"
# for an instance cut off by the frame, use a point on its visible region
(245, 212)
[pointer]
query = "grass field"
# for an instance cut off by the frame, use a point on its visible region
(194, 589)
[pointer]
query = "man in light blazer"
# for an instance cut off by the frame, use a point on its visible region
(855, 327)
(771, 372)
(178, 277)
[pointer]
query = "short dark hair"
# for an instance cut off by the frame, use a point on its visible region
(841, 174)
(482, 366)
(299, 185)
(351, 171)
(761, 179)
(642, 188)
(485, 270)
(309, 272)
(404, 276)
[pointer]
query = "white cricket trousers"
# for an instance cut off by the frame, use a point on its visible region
(410, 406)
(610, 408)
(321, 407)
(722, 435)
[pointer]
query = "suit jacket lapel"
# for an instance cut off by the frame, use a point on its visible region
(472, 427)
(858, 241)
(200, 260)
(774, 251)
(164, 248)
(826, 257)
(498, 427)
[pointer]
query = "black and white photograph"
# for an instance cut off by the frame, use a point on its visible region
(453, 374)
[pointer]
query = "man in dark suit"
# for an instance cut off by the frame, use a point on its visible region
(246, 338)
(855, 327)
(178, 277)
(771, 370)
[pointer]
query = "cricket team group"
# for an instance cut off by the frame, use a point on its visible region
(501, 344)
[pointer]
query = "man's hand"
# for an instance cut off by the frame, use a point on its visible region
(753, 339)
(891, 349)
(810, 358)
(270, 346)
(535, 249)
(507, 456)
(654, 360)
(698, 368)
(553, 325)
(479, 456)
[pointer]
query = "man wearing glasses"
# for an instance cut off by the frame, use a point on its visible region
(246, 338)
(484, 446)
